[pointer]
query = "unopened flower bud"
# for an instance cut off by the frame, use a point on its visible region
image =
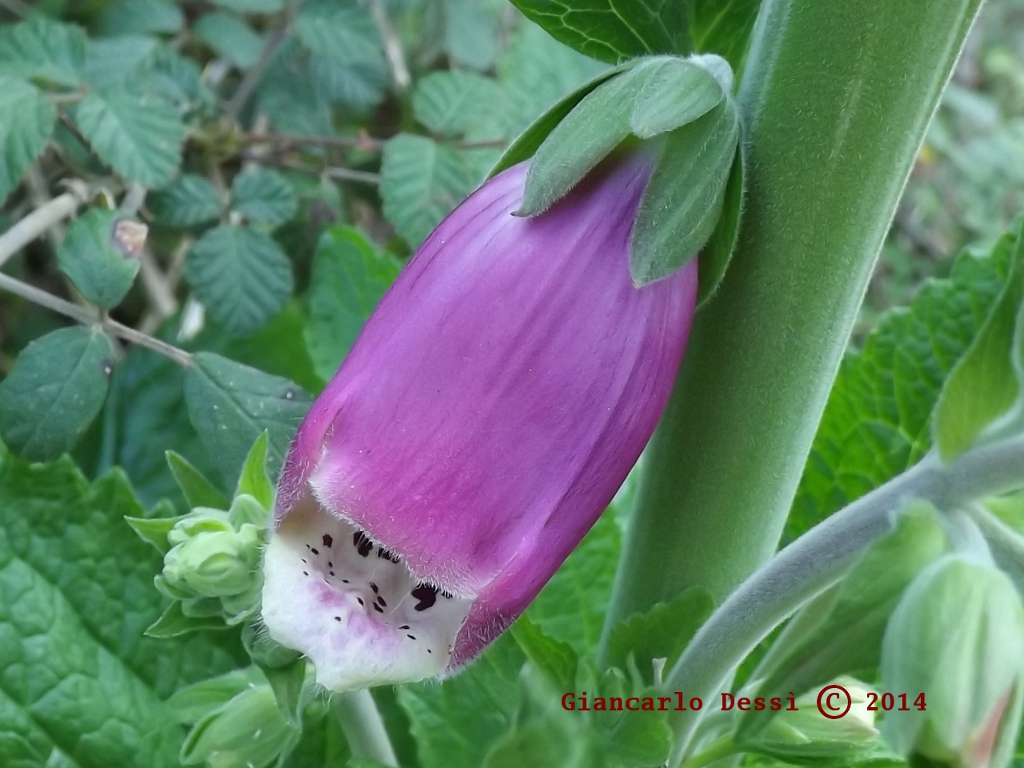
(957, 636)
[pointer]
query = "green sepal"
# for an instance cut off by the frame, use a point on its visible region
(254, 480)
(174, 623)
(714, 258)
(840, 632)
(585, 136)
(154, 530)
(685, 197)
(988, 380)
(673, 92)
(656, 95)
(197, 490)
(526, 144)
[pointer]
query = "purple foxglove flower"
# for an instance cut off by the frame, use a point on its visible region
(485, 417)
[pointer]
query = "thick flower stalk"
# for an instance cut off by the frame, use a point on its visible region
(485, 417)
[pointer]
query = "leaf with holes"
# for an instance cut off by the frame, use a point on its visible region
(100, 254)
(349, 278)
(43, 49)
(230, 404)
(185, 202)
(263, 196)
(81, 686)
(421, 182)
(138, 134)
(53, 394)
(27, 123)
(613, 30)
(242, 276)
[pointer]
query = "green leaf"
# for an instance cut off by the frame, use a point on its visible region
(198, 491)
(714, 258)
(877, 422)
(840, 632)
(43, 49)
(139, 17)
(75, 597)
(252, 6)
(421, 182)
(231, 404)
(984, 384)
(263, 196)
(685, 196)
(136, 133)
(230, 38)
(348, 280)
(54, 392)
(572, 606)
(100, 254)
(613, 30)
(660, 633)
(555, 659)
(472, 32)
(114, 61)
(451, 103)
(253, 480)
(724, 27)
(185, 202)
(27, 119)
(348, 63)
(455, 722)
(242, 276)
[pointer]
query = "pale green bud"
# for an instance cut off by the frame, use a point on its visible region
(807, 735)
(248, 731)
(957, 636)
(214, 562)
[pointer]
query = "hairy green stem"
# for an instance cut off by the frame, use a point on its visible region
(836, 98)
(817, 559)
(363, 727)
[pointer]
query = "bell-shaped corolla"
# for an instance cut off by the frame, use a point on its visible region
(485, 417)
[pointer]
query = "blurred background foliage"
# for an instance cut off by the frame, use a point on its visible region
(968, 182)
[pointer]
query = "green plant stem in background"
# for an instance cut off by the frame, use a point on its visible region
(836, 98)
(817, 559)
(363, 727)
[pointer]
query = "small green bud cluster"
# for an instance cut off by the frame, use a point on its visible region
(212, 566)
